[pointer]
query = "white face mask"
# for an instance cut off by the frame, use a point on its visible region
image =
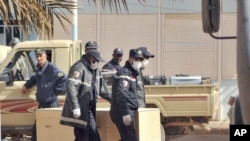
(94, 65)
(137, 65)
(145, 62)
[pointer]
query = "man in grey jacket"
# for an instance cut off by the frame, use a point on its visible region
(84, 85)
(140, 83)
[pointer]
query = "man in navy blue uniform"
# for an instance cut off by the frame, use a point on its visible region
(140, 83)
(124, 96)
(84, 84)
(114, 63)
(50, 82)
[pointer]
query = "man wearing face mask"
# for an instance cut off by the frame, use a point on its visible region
(140, 82)
(114, 64)
(124, 96)
(84, 85)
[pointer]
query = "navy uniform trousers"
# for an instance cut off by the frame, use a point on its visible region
(90, 133)
(127, 133)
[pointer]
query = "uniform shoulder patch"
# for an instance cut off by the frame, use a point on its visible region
(125, 83)
(59, 74)
(76, 74)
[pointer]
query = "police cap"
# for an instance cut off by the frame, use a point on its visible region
(118, 51)
(146, 53)
(91, 45)
(40, 51)
(96, 54)
(136, 53)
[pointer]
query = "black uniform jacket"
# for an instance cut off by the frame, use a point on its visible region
(112, 65)
(81, 83)
(50, 82)
(140, 90)
(124, 91)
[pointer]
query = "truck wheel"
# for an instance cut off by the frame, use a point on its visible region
(162, 133)
(175, 130)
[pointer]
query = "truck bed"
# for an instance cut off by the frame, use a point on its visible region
(183, 100)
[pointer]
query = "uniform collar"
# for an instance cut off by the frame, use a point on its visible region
(40, 70)
(86, 63)
(114, 62)
(129, 66)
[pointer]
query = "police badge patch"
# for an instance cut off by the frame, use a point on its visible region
(139, 52)
(76, 74)
(59, 74)
(125, 83)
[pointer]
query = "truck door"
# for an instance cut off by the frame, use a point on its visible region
(13, 103)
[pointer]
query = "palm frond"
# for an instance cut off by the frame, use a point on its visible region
(36, 15)
(115, 5)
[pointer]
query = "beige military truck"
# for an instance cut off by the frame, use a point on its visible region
(181, 105)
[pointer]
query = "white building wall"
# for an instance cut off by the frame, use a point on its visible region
(185, 48)
(182, 46)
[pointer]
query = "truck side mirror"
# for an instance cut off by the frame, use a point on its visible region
(210, 15)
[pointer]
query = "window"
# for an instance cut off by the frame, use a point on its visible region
(22, 65)
(8, 32)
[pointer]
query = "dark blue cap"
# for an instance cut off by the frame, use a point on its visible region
(91, 45)
(40, 51)
(96, 54)
(118, 51)
(146, 53)
(135, 53)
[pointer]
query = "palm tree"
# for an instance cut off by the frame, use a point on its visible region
(34, 15)
(37, 15)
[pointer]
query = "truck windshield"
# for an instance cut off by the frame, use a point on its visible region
(22, 64)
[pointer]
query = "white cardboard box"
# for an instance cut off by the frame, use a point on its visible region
(49, 128)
